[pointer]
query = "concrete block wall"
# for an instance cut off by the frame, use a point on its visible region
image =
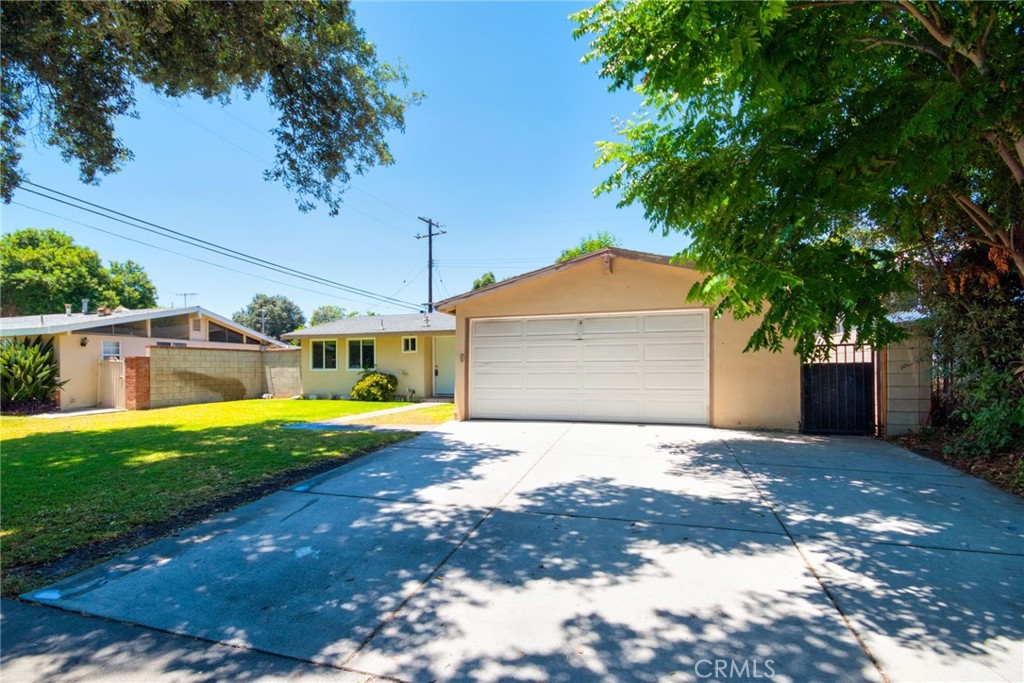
(281, 375)
(180, 376)
(908, 385)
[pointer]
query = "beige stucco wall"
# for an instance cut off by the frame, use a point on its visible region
(414, 370)
(751, 390)
(80, 364)
(908, 392)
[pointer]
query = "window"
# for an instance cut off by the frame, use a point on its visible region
(111, 349)
(252, 340)
(325, 355)
(361, 354)
(219, 333)
(408, 344)
(172, 327)
(197, 325)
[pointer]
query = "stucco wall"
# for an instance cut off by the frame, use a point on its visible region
(179, 376)
(414, 370)
(908, 392)
(759, 389)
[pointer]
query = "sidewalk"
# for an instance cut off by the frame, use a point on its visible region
(47, 644)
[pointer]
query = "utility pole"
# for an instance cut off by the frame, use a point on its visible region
(185, 296)
(430, 258)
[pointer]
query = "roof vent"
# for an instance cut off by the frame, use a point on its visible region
(382, 323)
(67, 310)
(85, 306)
(426, 320)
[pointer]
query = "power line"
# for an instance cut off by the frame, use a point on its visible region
(212, 247)
(221, 266)
(430, 257)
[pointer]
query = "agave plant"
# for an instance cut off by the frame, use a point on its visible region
(28, 372)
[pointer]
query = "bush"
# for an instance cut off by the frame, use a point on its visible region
(994, 414)
(375, 386)
(28, 374)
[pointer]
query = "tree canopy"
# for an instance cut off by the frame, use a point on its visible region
(484, 280)
(282, 315)
(41, 270)
(812, 151)
(589, 243)
(328, 313)
(70, 69)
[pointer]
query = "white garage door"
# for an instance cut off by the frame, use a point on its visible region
(642, 367)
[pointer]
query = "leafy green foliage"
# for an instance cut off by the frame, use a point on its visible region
(28, 373)
(811, 151)
(328, 313)
(71, 70)
(282, 315)
(588, 244)
(41, 270)
(484, 280)
(374, 385)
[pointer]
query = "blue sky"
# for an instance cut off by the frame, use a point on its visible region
(501, 153)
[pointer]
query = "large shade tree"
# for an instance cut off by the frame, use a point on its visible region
(272, 315)
(71, 69)
(812, 150)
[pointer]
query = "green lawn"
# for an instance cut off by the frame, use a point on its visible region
(70, 482)
(428, 415)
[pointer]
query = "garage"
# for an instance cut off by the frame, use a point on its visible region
(623, 367)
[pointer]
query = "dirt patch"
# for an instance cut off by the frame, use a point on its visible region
(25, 578)
(1005, 470)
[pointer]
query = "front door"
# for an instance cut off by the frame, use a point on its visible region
(112, 383)
(444, 366)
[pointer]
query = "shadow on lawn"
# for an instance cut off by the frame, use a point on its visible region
(626, 588)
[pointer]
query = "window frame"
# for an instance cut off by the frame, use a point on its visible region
(415, 345)
(312, 355)
(107, 356)
(348, 353)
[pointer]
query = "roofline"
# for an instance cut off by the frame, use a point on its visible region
(448, 305)
(314, 333)
(103, 321)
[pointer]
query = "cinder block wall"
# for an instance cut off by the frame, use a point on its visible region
(909, 385)
(281, 375)
(179, 376)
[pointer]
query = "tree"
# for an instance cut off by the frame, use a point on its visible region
(588, 244)
(484, 280)
(41, 270)
(328, 313)
(814, 150)
(129, 286)
(282, 315)
(71, 69)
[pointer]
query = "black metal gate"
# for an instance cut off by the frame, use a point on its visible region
(838, 394)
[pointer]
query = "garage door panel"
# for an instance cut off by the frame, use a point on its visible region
(675, 380)
(677, 351)
(499, 354)
(617, 325)
(647, 367)
(553, 353)
(611, 352)
(563, 381)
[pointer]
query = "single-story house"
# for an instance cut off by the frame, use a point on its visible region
(418, 348)
(609, 336)
(83, 341)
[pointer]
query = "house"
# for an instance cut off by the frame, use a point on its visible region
(84, 341)
(418, 348)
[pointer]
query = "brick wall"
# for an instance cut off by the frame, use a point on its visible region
(281, 376)
(908, 385)
(136, 383)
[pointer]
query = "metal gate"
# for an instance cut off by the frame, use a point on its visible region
(112, 383)
(838, 394)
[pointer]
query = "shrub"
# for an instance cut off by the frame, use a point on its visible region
(28, 374)
(375, 386)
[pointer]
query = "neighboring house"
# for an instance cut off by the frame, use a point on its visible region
(610, 336)
(418, 348)
(83, 341)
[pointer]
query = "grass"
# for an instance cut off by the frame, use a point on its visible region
(72, 483)
(430, 415)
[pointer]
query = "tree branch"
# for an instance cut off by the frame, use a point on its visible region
(877, 42)
(945, 38)
(1009, 158)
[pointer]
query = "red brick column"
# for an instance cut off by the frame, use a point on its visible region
(136, 383)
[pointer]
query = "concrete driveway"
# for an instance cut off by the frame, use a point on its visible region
(493, 551)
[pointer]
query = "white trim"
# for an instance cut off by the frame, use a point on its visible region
(325, 339)
(415, 344)
(348, 361)
(104, 355)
